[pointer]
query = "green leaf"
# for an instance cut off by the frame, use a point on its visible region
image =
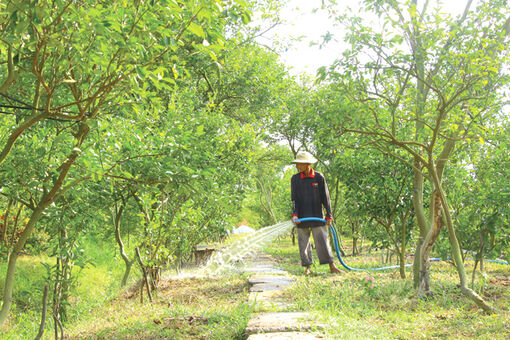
(175, 72)
(196, 29)
(140, 72)
(245, 17)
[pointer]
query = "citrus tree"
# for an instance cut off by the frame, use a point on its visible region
(69, 65)
(427, 84)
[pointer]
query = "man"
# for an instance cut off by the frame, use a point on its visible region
(310, 194)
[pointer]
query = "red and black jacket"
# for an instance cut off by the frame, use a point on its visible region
(309, 195)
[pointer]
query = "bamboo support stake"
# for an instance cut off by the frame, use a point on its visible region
(144, 274)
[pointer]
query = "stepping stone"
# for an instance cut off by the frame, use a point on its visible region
(280, 322)
(268, 300)
(262, 265)
(261, 287)
(266, 296)
(262, 283)
(264, 262)
(272, 279)
(265, 257)
(264, 269)
(285, 336)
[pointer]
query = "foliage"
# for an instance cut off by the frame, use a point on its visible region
(417, 97)
(480, 207)
(108, 92)
(162, 123)
(271, 177)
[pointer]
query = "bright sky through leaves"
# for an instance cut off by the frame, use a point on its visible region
(306, 24)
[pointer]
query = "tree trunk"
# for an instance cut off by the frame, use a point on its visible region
(63, 281)
(402, 259)
(480, 302)
(13, 258)
(12, 74)
(354, 239)
(116, 221)
(478, 259)
(126, 273)
(145, 276)
(456, 251)
(57, 301)
(473, 274)
(421, 98)
(402, 251)
(421, 220)
(36, 214)
(428, 243)
(3, 237)
(12, 239)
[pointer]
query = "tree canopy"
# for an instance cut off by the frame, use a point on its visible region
(165, 121)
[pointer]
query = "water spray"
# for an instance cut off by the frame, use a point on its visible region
(234, 256)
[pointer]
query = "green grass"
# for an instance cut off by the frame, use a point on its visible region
(184, 308)
(354, 309)
(96, 284)
(187, 307)
(27, 296)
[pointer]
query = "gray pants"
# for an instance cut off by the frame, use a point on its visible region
(320, 237)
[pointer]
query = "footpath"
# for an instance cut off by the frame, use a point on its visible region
(272, 319)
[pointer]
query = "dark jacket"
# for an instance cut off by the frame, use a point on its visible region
(309, 195)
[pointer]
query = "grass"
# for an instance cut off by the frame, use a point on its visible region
(380, 305)
(355, 305)
(96, 283)
(27, 296)
(183, 307)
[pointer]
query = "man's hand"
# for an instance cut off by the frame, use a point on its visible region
(329, 221)
(294, 218)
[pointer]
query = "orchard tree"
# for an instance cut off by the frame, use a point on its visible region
(418, 89)
(379, 188)
(367, 189)
(72, 62)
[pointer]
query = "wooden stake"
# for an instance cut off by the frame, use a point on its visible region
(144, 274)
(43, 317)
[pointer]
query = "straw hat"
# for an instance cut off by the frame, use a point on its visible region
(304, 157)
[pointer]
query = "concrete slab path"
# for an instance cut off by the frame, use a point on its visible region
(281, 322)
(272, 321)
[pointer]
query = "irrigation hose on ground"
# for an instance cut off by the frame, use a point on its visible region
(337, 250)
